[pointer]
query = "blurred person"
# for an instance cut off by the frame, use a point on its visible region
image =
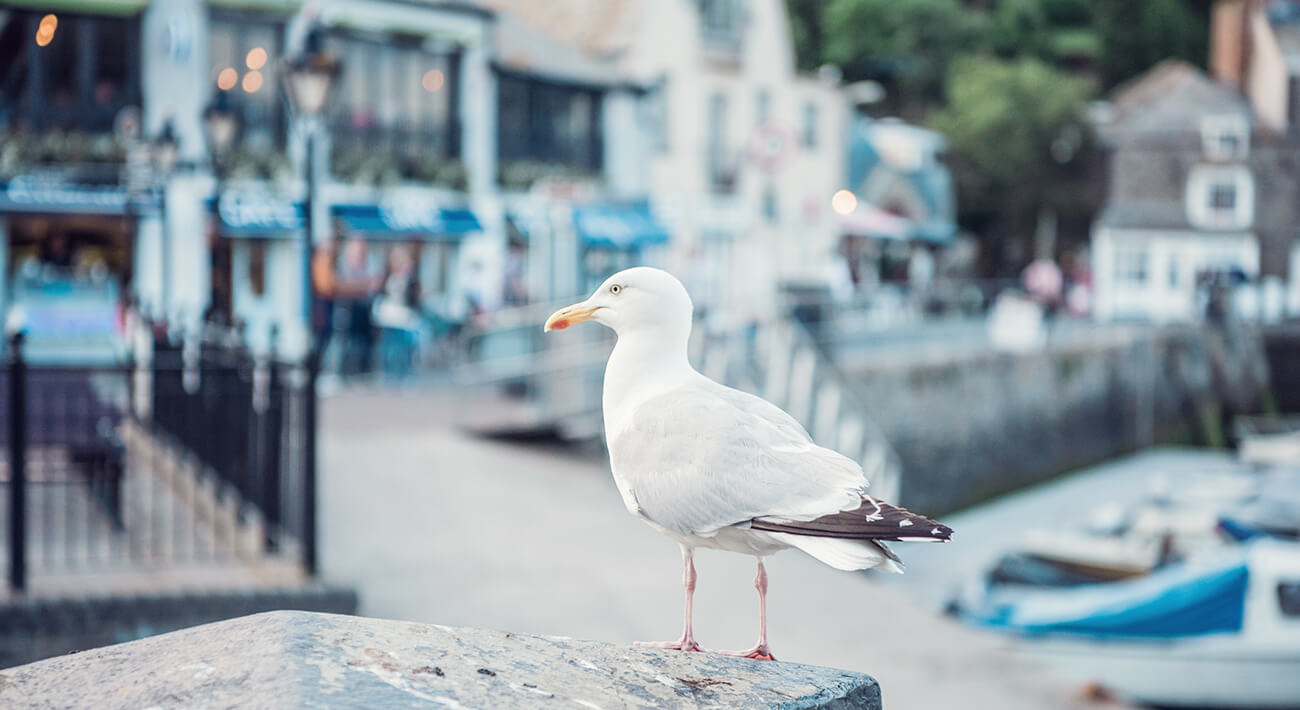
(355, 293)
(396, 313)
(324, 289)
(516, 265)
(920, 272)
(1043, 282)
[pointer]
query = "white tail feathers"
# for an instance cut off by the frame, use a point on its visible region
(841, 553)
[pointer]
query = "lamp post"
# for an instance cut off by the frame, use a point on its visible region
(164, 149)
(308, 79)
(220, 124)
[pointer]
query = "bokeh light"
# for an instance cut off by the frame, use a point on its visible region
(433, 80)
(256, 58)
(844, 202)
(227, 79)
(252, 82)
(45, 31)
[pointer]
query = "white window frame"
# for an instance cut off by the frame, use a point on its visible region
(1201, 182)
(1215, 130)
(1132, 265)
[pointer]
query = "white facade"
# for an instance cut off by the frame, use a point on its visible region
(751, 110)
(1151, 274)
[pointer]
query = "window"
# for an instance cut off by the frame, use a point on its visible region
(655, 113)
(1220, 197)
(720, 18)
(721, 177)
(76, 73)
(1223, 197)
(1225, 137)
(1131, 266)
(395, 98)
(246, 50)
(549, 122)
(762, 107)
(809, 132)
(1288, 598)
(771, 206)
(721, 25)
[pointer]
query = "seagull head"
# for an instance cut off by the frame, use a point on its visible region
(637, 300)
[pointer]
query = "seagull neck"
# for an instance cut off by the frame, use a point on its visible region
(642, 358)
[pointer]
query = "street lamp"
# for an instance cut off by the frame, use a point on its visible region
(163, 153)
(308, 79)
(220, 122)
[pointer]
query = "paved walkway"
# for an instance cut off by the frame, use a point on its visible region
(432, 525)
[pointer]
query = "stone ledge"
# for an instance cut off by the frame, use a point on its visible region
(32, 628)
(300, 659)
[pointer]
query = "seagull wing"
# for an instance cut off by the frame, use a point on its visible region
(703, 457)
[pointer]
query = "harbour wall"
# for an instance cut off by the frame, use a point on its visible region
(970, 425)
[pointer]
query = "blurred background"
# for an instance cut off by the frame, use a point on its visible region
(273, 274)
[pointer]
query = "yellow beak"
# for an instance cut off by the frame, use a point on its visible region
(568, 316)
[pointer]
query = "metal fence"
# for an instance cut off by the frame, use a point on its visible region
(193, 458)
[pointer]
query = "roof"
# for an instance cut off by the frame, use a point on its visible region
(522, 48)
(1145, 214)
(1172, 96)
(594, 27)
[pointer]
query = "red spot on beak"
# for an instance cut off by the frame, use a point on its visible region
(560, 324)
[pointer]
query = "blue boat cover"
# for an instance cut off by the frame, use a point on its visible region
(1174, 602)
(619, 225)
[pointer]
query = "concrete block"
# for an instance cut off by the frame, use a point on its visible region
(302, 659)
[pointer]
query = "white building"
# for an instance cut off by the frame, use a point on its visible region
(745, 153)
(1183, 197)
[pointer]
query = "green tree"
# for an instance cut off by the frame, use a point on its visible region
(806, 28)
(906, 44)
(1137, 35)
(1012, 128)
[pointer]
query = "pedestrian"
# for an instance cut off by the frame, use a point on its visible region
(396, 313)
(324, 289)
(356, 288)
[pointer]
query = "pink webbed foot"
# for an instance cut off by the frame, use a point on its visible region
(758, 653)
(686, 644)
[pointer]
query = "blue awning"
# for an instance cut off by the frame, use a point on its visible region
(407, 221)
(621, 226)
(36, 195)
(251, 214)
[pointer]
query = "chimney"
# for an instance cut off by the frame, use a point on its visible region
(1229, 42)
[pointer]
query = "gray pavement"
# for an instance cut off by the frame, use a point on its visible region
(433, 525)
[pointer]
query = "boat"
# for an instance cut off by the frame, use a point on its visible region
(1216, 631)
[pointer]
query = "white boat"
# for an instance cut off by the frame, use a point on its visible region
(1214, 633)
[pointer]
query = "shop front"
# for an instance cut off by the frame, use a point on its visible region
(616, 236)
(68, 257)
(256, 247)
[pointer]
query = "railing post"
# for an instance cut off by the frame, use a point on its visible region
(17, 464)
(270, 429)
(309, 560)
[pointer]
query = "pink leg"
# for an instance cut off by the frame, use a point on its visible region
(760, 651)
(687, 641)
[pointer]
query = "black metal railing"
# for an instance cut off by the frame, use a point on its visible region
(190, 454)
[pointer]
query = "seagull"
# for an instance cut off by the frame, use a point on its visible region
(714, 467)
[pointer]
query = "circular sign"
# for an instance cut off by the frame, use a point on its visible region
(771, 146)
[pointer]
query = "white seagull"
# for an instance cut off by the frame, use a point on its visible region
(714, 467)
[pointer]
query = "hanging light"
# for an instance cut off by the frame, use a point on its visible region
(220, 122)
(166, 149)
(310, 76)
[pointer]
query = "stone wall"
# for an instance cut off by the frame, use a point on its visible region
(295, 659)
(968, 426)
(31, 629)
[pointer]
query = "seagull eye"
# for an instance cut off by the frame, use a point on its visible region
(615, 289)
